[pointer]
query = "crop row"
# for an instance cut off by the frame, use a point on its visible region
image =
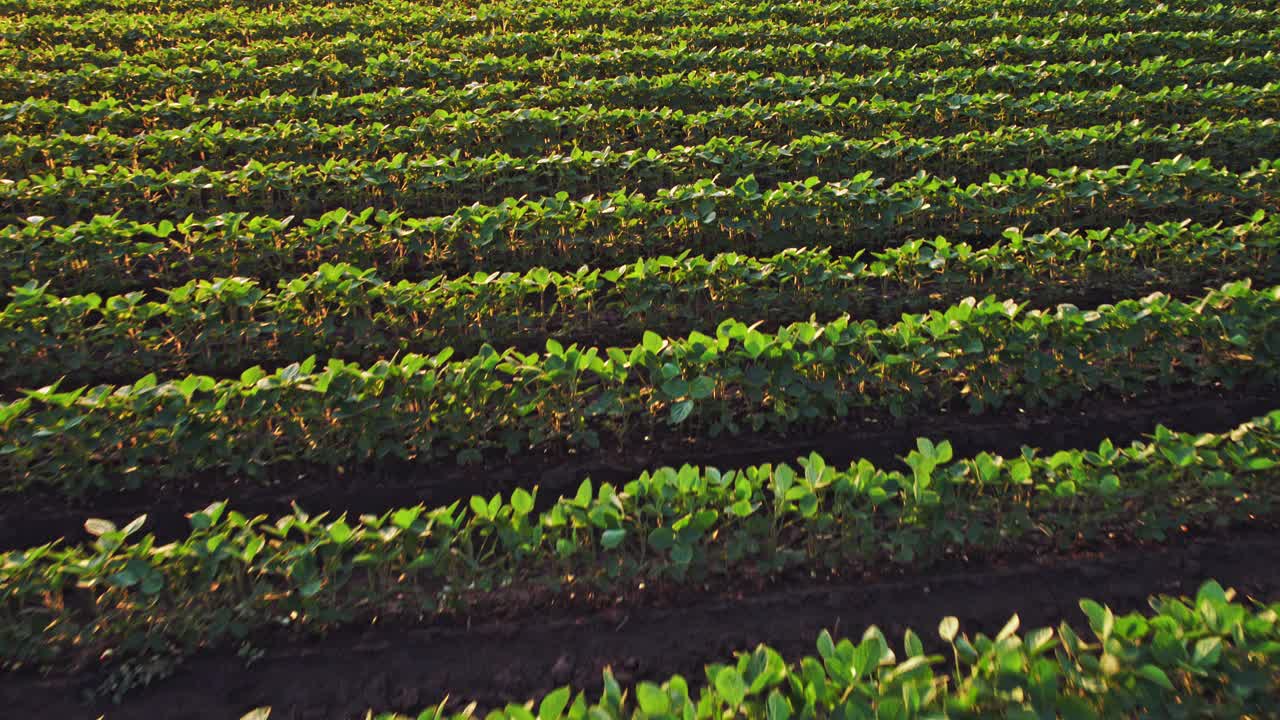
(982, 355)
(1209, 657)
(109, 253)
(232, 574)
(400, 18)
(441, 185)
(753, 39)
(353, 48)
(679, 91)
(215, 326)
(452, 180)
(420, 69)
(25, 8)
(422, 120)
(960, 20)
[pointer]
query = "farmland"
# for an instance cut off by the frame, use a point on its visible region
(687, 358)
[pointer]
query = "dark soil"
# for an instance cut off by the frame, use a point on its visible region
(37, 517)
(650, 637)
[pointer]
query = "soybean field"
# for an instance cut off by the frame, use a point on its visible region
(666, 359)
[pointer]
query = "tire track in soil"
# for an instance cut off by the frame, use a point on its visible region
(404, 668)
(36, 517)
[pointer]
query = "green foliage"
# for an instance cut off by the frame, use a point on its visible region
(232, 574)
(339, 310)
(511, 402)
(461, 232)
(188, 38)
(489, 166)
(858, 212)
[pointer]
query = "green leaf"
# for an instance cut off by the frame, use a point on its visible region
(583, 496)
(135, 525)
(124, 579)
(340, 532)
(866, 657)
(1207, 652)
(1009, 628)
(1020, 471)
(1155, 675)
(253, 547)
(911, 642)
(826, 646)
(405, 518)
(252, 375)
(612, 690)
(680, 411)
(1109, 664)
(1101, 619)
(553, 705)
(778, 707)
(682, 554)
(949, 628)
(702, 387)
(522, 501)
(653, 342)
(662, 538)
(152, 584)
(1074, 708)
(755, 344)
(517, 712)
(1038, 641)
(675, 387)
(731, 687)
(611, 539)
(906, 667)
(988, 470)
(1211, 592)
(652, 699)
(98, 527)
